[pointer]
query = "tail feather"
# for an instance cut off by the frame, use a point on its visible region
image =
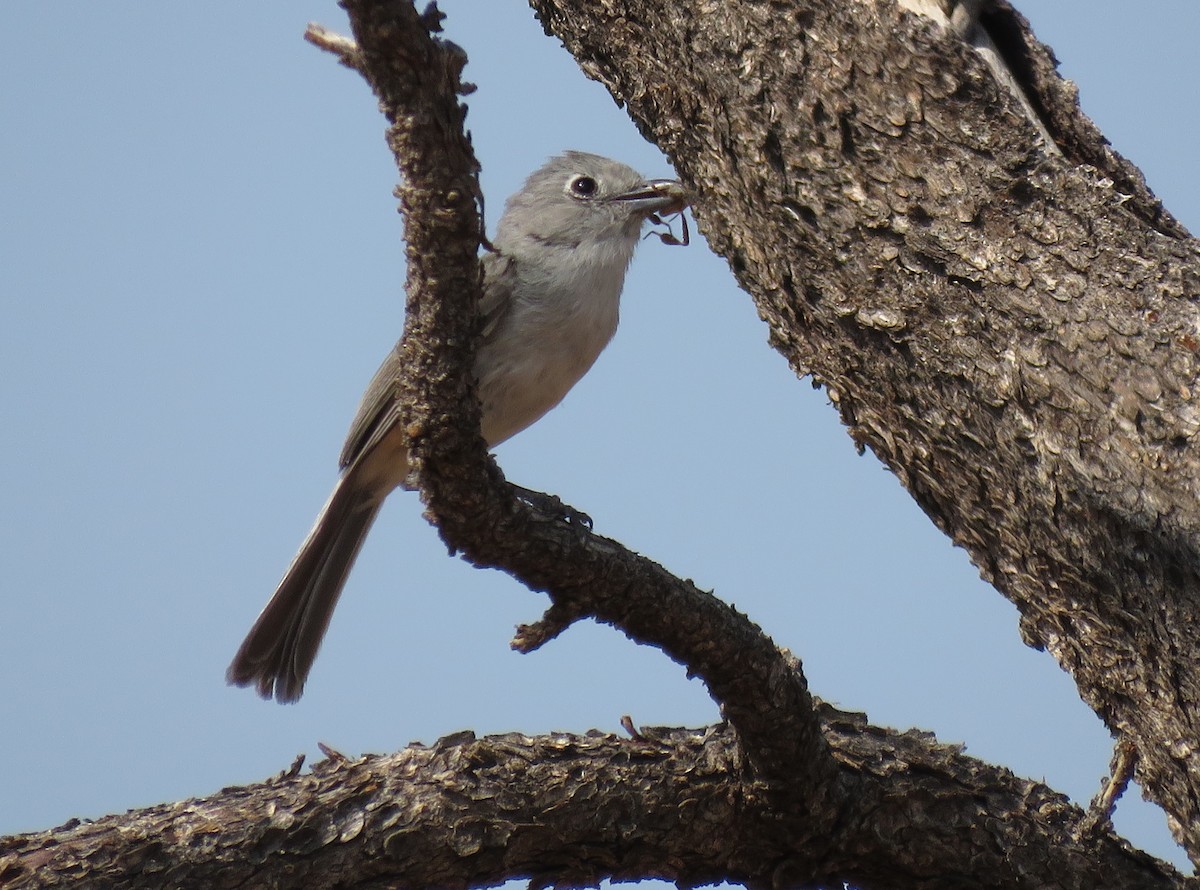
(280, 648)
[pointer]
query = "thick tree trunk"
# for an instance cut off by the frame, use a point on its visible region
(1013, 332)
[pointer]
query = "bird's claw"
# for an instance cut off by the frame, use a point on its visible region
(553, 505)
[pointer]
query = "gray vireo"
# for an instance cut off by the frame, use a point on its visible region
(551, 296)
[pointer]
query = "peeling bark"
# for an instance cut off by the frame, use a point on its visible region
(565, 810)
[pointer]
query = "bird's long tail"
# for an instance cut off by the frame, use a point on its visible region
(279, 650)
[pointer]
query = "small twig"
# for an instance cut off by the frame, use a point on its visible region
(343, 47)
(556, 619)
(1099, 814)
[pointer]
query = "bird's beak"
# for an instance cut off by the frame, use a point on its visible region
(656, 196)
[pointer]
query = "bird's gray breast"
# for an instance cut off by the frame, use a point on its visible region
(562, 317)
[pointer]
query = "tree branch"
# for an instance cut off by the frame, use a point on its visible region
(571, 810)
(343, 47)
(761, 692)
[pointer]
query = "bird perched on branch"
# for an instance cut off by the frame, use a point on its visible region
(551, 296)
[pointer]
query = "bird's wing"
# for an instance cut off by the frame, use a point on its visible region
(498, 274)
(378, 412)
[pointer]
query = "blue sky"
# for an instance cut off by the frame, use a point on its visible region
(200, 268)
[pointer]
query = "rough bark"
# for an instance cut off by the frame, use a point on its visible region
(568, 810)
(1011, 332)
(1014, 334)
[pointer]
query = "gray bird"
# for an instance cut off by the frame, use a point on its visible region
(551, 296)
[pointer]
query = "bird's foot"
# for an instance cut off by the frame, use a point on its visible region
(553, 505)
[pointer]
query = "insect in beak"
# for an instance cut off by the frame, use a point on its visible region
(668, 237)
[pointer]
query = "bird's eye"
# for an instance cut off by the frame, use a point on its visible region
(583, 186)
